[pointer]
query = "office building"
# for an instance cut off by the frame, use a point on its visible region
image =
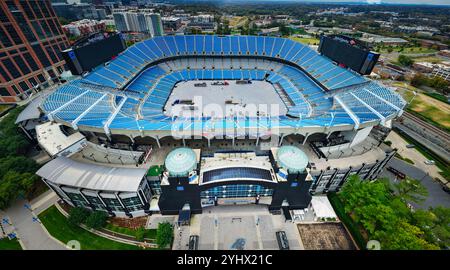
(31, 40)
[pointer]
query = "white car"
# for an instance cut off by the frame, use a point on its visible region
(430, 162)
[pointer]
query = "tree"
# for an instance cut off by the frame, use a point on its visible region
(96, 220)
(13, 184)
(380, 208)
(404, 237)
(410, 190)
(17, 163)
(434, 222)
(139, 234)
(418, 80)
(405, 60)
(164, 235)
(78, 215)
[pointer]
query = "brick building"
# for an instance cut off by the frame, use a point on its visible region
(31, 40)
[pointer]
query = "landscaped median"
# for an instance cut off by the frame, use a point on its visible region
(58, 226)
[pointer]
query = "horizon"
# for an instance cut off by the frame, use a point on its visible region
(360, 2)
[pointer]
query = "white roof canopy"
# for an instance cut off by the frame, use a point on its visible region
(322, 207)
(65, 171)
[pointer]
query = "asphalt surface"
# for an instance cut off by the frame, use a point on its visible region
(436, 196)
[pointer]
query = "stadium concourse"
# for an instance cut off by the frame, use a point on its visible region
(156, 96)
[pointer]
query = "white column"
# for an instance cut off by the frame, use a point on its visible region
(306, 137)
(157, 142)
(281, 140)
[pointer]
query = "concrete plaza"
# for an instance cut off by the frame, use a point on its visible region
(247, 227)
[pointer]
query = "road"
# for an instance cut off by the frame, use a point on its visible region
(32, 234)
(436, 196)
(414, 155)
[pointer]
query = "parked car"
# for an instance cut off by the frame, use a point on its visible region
(193, 242)
(282, 240)
(430, 162)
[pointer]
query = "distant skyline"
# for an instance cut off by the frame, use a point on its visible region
(412, 2)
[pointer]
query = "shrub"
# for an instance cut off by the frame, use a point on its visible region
(164, 235)
(405, 60)
(96, 220)
(139, 234)
(78, 215)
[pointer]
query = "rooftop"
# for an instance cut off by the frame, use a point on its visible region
(65, 171)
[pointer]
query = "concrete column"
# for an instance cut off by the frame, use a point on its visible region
(306, 137)
(257, 139)
(209, 143)
(281, 140)
(132, 139)
(184, 142)
(157, 142)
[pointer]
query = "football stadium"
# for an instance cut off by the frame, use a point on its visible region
(175, 124)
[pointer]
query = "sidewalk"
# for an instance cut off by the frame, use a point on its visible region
(31, 233)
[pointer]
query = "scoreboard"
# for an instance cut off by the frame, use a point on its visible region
(93, 52)
(348, 52)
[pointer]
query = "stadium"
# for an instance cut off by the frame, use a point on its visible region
(230, 120)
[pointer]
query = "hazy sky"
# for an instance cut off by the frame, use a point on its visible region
(429, 2)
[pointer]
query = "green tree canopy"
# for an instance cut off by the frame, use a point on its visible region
(380, 208)
(405, 60)
(78, 215)
(96, 220)
(164, 235)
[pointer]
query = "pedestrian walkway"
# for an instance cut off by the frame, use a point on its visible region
(28, 227)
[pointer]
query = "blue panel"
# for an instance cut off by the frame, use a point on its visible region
(199, 44)
(208, 44)
(181, 44)
(226, 45)
(217, 44)
(190, 41)
(243, 44)
(234, 45)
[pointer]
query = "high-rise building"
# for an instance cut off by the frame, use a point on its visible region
(31, 41)
(156, 26)
(144, 22)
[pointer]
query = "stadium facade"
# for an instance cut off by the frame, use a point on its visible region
(329, 127)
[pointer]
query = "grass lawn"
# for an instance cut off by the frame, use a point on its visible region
(6, 244)
(307, 41)
(411, 50)
(4, 107)
(438, 96)
(149, 233)
(430, 59)
(431, 108)
(154, 170)
(397, 155)
(58, 226)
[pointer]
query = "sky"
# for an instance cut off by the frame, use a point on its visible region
(428, 2)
